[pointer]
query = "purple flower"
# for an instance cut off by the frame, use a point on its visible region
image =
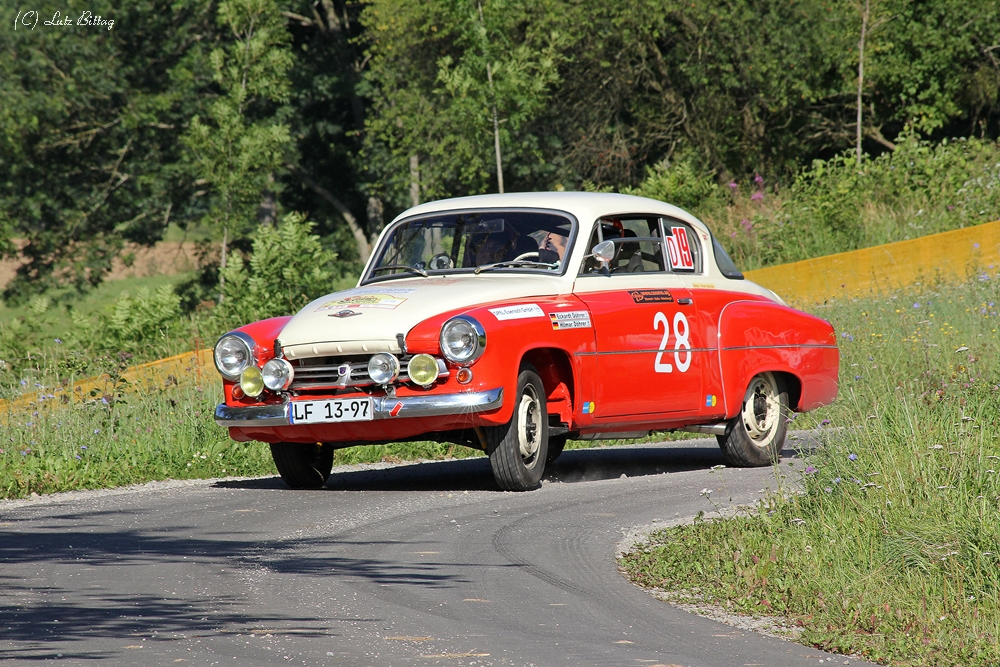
(758, 179)
(78, 457)
(30, 424)
(836, 480)
(916, 304)
(732, 185)
(976, 246)
(810, 470)
(24, 383)
(950, 207)
(824, 422)
(58, 341)
(96, 431)
(828, 490)
(104, 400)
(733, 235)
(83, 447)
(857, 377)
(24, 452)
(852, 456)
(757, 196)
(990, 304)
(746, 224)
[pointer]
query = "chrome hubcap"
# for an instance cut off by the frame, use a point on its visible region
(761, 409)
(528, 427)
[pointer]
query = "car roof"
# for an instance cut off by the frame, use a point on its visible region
(585, 206)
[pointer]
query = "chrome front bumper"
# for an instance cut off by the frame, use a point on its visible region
(411, 406)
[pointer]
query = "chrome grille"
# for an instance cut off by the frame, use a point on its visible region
(331, 372)
(342, 372)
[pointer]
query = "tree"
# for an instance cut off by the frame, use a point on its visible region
(89, 128)
(440, 71)
(242, 144)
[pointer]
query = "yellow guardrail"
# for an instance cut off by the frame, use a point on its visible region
(884, 268)
(188, 367)
(811, 281)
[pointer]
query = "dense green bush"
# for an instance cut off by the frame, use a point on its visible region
(287, 268)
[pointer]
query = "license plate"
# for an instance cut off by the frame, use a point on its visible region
(333, 410)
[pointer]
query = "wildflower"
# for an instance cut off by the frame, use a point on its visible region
(810, 470)
(732, 185)
(30, 424)
(24, 452)
(758, 179)
(58, 341)
(857, 377)
(746, 224)
(79, 458)
(836, 480)
(706, 492)
(104, 400)
(83, 447)
(916, 305)
(757, 196)
(24, 383)
(732, 235)
(852, 456)
(96, 431)
(976, 246)
(828, 490)
(825, 422)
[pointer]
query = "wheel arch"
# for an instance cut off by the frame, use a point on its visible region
(555, 368)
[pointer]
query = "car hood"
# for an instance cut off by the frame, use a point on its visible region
(367, 319)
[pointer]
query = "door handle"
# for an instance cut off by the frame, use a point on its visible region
(684, 302)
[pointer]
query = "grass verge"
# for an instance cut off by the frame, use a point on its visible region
(891, 548)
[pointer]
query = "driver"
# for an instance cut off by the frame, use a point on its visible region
(551, 248)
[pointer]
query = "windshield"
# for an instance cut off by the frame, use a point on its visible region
(474, 241)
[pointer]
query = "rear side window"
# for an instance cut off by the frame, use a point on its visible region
(725, 262)
(683, 247)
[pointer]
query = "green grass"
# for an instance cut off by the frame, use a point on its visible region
(891, 549)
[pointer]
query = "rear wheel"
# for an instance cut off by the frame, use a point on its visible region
(756, 435)
(303, 465)
(519, 448)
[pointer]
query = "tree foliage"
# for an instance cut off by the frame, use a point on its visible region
(89, 128)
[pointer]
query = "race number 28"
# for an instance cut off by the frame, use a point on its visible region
(682, 347)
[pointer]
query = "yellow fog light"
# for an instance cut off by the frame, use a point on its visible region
(252, 381)
(422, 369)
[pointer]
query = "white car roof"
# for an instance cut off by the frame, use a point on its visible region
(585, 206)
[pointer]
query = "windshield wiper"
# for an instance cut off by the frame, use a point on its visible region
(407, 267)
(501, 265)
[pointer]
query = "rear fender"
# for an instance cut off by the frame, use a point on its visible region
(759, 336)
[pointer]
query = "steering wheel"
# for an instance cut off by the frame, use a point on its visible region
(526, 255)
(440, 261)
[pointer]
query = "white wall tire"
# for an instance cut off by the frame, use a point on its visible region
(756, 435)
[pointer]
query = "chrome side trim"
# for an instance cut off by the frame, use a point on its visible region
(383, 406)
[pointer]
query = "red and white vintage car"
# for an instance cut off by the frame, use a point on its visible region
(511, 323)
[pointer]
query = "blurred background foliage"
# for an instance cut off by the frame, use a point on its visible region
(282, 135)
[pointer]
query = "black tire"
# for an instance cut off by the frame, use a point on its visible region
(556, 445)
(303, 465)
(518, 449)
(756, 436)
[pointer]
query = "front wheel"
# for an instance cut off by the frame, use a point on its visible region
(519, 448)
(303, 465)
(756, 435)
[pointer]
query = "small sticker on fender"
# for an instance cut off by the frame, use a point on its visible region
(572, 319)
(520, 312)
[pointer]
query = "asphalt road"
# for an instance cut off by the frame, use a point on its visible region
(422, 564)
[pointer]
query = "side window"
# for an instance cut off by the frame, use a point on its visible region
(638, 245)
(683, 248)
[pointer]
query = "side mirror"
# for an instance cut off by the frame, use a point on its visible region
(604, 252)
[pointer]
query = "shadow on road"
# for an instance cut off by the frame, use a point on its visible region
(572, 467)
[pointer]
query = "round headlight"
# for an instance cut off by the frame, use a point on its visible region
(422, 369)
(463, 339)
(278, 374)
(251, 381)
(383, 368)
(233, 353)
